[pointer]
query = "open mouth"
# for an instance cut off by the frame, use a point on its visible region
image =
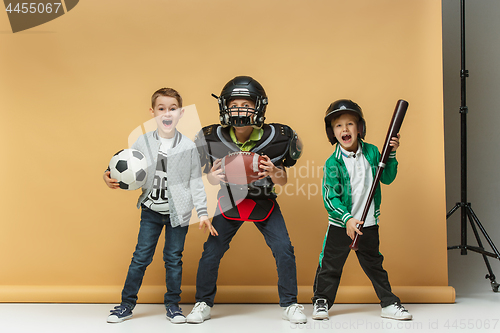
(346, 137)
(167, 122)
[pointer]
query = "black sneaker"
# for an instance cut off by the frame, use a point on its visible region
(320, 311)
(119, 314)
(174, 314)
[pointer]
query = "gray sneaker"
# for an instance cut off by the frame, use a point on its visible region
(396, 311)
(320, 311)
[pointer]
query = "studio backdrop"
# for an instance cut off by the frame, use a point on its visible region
(76, 89)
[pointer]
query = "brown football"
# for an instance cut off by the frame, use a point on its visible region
(241, 167)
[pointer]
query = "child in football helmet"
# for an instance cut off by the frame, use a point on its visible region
(242, 105)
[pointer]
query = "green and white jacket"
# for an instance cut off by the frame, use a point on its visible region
(337, 186)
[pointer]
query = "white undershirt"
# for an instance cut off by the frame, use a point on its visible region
(166, 144)
(157, 199)
(361, 177)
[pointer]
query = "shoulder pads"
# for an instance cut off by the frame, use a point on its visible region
(290, 148)
(296, 145)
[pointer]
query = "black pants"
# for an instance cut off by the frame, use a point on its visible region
(333, 257)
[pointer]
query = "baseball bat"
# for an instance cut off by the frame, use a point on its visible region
(395, 125)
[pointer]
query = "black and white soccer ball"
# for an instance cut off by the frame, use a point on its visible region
(129, 166)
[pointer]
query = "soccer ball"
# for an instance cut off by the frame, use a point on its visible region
(129, 166)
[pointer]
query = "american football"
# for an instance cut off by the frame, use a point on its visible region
(241, 167)
(129, 166)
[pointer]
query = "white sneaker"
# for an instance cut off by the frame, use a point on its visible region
(294, 314)
(396, 311)
(320, 311)
(200, 313)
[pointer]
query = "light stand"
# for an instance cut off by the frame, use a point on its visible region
(465, 207)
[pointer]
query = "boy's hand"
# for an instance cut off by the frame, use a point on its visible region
(277, 174)
(351, 227)
(206, 224)
(268, 167)
(394, 143)
(112, 183)
(215, 175)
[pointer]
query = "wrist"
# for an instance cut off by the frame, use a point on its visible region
(347, 217)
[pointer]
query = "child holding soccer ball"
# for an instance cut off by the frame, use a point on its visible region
(173, 187)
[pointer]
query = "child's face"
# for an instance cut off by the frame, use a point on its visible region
(240, 103)
(239, 107)
(167, 113)
(345, 129)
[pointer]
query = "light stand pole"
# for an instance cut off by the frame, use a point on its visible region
(465, 207)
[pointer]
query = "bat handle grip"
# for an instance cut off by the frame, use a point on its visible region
(355, 242)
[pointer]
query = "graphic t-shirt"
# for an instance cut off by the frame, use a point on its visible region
(157, 199)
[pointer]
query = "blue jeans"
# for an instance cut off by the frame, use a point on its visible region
(276, 236)
(151, 227)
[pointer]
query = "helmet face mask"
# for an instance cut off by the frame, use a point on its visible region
(240, 116)
(242, 87)
(338, 108)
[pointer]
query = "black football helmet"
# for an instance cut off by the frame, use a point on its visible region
(336, 109)
(247, 88)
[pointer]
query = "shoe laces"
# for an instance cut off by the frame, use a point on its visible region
(119, 310)
(321, 305)
(399, 307)
(175, 310)
(294, 308)
(200, 306)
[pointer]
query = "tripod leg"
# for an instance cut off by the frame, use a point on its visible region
(473, 218)
(488, 239)
(457, 206)
(463, 245)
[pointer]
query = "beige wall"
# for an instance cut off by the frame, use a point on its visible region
(73, 90)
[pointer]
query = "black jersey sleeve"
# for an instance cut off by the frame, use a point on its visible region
(201, 145)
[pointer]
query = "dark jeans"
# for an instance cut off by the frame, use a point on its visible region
(152, 224)
(276, 236)
(335, 252)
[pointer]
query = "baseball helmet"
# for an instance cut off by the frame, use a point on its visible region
(336, 109)
(247, 88)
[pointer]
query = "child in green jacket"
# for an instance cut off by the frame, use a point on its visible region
(348, 176)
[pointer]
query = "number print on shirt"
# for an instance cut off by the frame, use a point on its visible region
(159, 188)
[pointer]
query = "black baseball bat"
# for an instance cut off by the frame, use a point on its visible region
(395, 125)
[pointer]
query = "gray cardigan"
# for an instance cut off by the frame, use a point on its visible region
(185, 188)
